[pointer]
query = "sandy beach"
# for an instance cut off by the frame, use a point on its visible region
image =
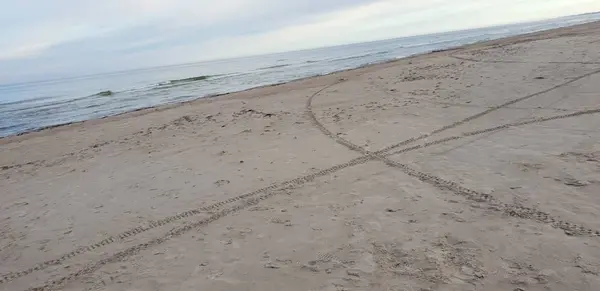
(476, 168)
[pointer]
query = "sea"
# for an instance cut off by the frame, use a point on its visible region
(31, 106)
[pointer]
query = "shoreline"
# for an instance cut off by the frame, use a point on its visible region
(162, 107)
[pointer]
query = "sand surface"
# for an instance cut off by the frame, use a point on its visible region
(470, 169)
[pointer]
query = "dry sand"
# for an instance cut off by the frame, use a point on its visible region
(470, 169)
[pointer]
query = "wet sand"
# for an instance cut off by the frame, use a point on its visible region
(476, 168)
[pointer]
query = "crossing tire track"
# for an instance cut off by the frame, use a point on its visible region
(513, 210)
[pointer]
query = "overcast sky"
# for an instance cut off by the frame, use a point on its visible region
(53, 38)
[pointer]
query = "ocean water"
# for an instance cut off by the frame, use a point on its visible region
(30, 106)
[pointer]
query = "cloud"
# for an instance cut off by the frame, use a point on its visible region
(69, 37)
(381, 20)
(23, 51)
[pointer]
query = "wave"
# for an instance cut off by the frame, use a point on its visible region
(191, 79)
(275, 66)
(181, 82)
(46, 106)
(103, 94)
(359, 56)
(436, 42)
(33, 100)
(12, 127)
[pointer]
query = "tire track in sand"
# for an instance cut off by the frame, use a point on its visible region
(493, 129)
(483, 113)
(509, 209)
(248, 200)
(298, 181)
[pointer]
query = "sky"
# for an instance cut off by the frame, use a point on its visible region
(42, 39)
